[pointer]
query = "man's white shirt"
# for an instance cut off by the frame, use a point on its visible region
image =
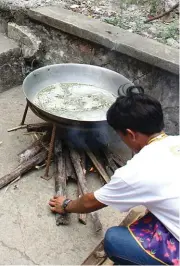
(151, 178)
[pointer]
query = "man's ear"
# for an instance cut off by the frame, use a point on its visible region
(131, 134)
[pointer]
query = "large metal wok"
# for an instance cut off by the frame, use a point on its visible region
(70, 73)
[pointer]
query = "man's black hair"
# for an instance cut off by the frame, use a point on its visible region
(136, 111)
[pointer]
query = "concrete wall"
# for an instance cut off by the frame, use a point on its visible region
(60, 47)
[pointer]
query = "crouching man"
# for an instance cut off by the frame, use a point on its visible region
(151, 178)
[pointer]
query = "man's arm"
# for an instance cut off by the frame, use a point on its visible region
(85, 204)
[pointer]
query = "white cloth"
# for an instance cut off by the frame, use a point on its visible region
(151, 178)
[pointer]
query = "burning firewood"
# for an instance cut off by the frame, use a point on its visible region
(117, 158)
(69, 163)
(109, 171)
(76, 160)
(110, 160)
(70, 171)
(97, 164)
(83, 161)
(50, 152)
(60, 180)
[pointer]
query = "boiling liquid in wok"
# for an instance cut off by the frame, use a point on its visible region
(75, 101)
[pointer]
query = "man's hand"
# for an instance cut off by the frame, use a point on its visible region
(85, 204)
(56, 203)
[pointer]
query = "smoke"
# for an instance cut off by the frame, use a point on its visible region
(95, 137)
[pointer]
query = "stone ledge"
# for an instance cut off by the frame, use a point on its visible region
(114, 38)
(11, 64)
(6, 45)
(30, 43)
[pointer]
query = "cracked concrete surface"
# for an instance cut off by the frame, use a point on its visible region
(29, 234)
(22, 255)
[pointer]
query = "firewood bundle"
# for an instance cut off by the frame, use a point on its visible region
(69, 162)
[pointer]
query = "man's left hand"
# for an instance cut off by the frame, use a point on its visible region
(56, 204)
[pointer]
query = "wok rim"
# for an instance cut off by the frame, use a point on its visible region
(78, 125)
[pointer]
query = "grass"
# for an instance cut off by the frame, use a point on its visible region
(134, 20)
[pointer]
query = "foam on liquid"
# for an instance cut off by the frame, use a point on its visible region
(75, 101)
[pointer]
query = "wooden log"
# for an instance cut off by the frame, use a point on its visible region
(82, 217)
(39, 127)
(23, 168)
(107, 262)
(97, 164)
(93, 259)
(31, 151)
(96, 221)
(110, 161)
(70, 171)
(118, 159)
(50, 153)
(100, 159)
(60, 181)
(83, 161)
(109, 171)
(16, 128)
(76, 160)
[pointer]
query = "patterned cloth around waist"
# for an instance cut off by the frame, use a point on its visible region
(156, 240)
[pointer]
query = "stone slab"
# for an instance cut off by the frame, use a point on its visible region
(11, 64)
(114, 38)
(24, 36)
(6, 45)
